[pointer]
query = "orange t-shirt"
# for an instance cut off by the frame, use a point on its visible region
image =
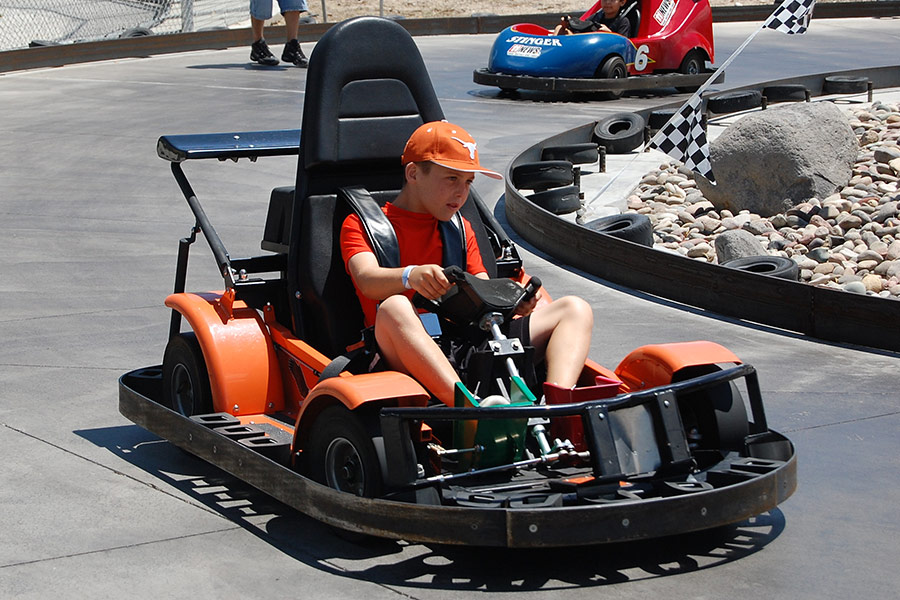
(419, 238)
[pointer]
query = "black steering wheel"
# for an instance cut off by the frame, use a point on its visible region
(472, 297)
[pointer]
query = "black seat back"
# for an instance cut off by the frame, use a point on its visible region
(367, 90)
(633, 14)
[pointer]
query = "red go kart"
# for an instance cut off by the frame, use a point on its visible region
(671, 39)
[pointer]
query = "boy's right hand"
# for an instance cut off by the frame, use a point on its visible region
(429, 280)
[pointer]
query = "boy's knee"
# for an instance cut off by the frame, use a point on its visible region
(396, 310)
(577, 308)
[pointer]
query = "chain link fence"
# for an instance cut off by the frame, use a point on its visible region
(25, 23)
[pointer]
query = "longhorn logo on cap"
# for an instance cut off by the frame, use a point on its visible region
(470, 146)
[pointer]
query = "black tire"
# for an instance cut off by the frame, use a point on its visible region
(789, 92)
(730, 102)
(136, 32)
(659, 117)
(627, 226)
(577, 154)
(543, 175)
(774, 266)
(341, 452)
(693, 63)
(613, 67)
(842, 84)
(185, 378)
(620, 133)
(559, 201)
(714, 418)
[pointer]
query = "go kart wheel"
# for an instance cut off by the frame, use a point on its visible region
(789, 92)
(714, 418)
(185, 378)
(842, 84)
(620, 133)
(627, 226)
(341, 452)
(612, 68)
(774, 266)
(692, 64)
(559, 201)
(543, 175)
(577, 154)
(730, 102)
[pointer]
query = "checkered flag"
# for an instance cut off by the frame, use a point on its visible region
(791, 17)
(683, 138)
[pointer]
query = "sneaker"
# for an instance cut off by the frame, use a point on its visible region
(293, 53)
(259, 52)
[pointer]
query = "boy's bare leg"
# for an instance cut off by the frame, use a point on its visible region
(407, 347)
(562, 330)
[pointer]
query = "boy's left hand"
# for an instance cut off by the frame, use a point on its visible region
(527, 307)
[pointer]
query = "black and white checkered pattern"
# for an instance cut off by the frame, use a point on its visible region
(683, 138)
(791, 17)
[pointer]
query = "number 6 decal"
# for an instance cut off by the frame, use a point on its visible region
(641, 59)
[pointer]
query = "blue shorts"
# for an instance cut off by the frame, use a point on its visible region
(262, 9)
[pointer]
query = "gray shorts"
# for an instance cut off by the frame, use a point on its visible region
(262, 9)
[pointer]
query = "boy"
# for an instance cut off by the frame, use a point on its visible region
(440, 161)
(609, 19)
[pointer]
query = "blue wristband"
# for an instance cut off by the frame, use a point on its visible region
(405, 277)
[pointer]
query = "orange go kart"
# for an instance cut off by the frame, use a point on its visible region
(269, 379)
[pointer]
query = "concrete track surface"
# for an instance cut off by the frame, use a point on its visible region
(92, 506)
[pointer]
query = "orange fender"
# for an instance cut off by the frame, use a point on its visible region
(353, 391)
(653, 365)
(243, 369)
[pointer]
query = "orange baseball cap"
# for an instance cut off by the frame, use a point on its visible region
(447, 145)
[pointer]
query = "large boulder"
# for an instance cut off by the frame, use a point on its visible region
(771, 160)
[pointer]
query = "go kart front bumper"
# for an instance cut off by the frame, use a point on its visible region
(747, 486)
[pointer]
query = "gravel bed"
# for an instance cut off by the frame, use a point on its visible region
(849, 240)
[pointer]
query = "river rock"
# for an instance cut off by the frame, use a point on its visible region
(737, 243)
(774, 159)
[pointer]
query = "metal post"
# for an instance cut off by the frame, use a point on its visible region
(324, 12)
(187, 16)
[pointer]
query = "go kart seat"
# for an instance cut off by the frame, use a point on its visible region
(633, 14)
(367, 90)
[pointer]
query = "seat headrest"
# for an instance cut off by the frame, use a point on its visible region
(367, 90)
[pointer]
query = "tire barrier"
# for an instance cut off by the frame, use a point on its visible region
(759, 290)
(626, 226)
(559, 201)
(543, 175)
(785, 93)
(577, 154)
(620, 133)
(773, 266)
(838, 84)
(730, 102)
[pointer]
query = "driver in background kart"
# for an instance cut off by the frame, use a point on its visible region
(440, 161)
(609, 19)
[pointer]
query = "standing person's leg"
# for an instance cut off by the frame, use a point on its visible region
(561, 335)
(291, 10)
(260, 12)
